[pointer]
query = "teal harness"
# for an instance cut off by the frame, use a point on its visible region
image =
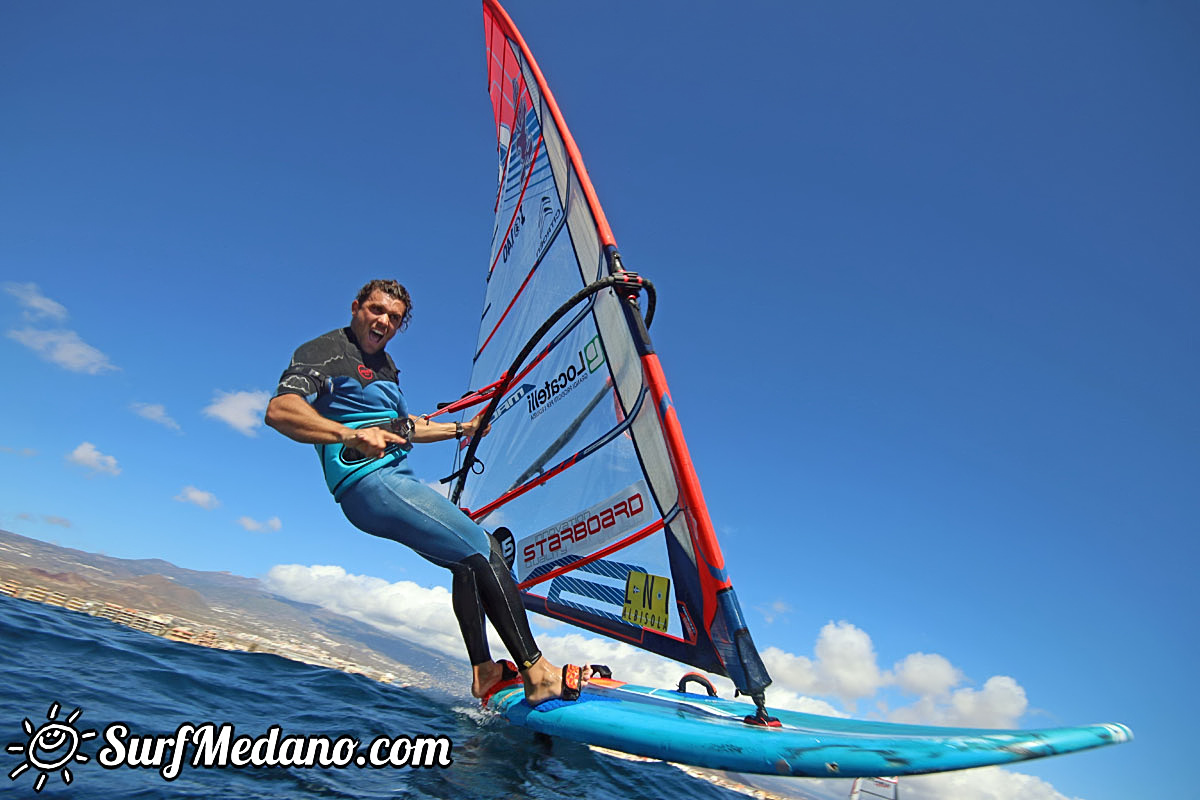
(343, 465)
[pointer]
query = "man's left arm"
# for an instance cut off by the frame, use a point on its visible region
(425, 430)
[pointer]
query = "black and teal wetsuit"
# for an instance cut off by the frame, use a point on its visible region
(349, 386)
(382, 497)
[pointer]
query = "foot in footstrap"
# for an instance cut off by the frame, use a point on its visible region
(570, 687)
(575, 678)
(509, 676)
(572, 682)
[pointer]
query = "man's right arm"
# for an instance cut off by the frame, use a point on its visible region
(291, 415)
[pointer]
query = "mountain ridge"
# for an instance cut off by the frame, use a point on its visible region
(223, 601)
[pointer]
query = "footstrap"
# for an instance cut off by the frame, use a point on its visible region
(572, 682)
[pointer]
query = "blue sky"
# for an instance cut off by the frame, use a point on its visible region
(927, 280)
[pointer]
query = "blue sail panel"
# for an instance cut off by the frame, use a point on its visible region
(584, 462)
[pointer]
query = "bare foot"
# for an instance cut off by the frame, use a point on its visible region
(543, 681)
(485, 676)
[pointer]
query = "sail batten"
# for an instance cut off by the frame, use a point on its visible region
(585, 462)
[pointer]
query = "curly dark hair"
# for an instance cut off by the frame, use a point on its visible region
(392, 289)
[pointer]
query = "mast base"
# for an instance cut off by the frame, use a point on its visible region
(761, 717)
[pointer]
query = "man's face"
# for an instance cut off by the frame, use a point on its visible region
(376, 320)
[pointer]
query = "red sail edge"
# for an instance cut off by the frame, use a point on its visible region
(707, 629)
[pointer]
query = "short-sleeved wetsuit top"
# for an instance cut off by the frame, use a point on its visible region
(349, 386)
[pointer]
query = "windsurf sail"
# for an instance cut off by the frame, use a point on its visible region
(585, 463)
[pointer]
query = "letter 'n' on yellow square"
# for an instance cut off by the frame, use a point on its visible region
(646, 600)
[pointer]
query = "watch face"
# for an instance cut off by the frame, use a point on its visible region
(404, 426)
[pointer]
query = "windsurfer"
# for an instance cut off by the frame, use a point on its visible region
(340, 393)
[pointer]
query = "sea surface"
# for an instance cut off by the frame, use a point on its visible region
(65, 669)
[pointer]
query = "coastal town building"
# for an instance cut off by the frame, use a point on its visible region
(179, 629)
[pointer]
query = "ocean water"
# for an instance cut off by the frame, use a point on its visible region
(55, 662)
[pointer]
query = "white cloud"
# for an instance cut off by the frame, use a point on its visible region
(790, 671)
(845, 665)
(404, 608)
(925, 674)
(983, 783)
(273, 524)
(243, 411)
(425, 615)
(986, 783)
(198, 497)
(65, 348)
(86, 455)
(999, 704)
(36, 304)
(847, 660)
(57, 345)
(155, 413)
(28, 452)
(775, 610)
